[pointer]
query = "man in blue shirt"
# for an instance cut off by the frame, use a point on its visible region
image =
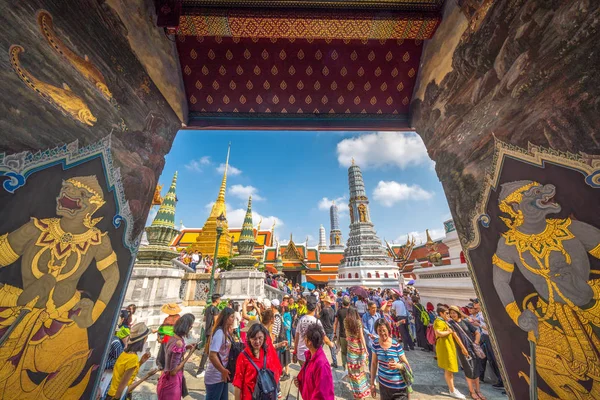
(400, 313)
(368, 320)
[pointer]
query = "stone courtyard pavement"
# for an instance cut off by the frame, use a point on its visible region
(429, 382)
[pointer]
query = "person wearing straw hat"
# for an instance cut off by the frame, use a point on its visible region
(127, 365)
(117, 345)
(165, 330)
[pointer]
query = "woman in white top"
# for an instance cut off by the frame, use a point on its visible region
(361, 306)
(217, 375)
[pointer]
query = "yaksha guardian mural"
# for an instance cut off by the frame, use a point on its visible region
(563, 317)
(48, 313)
(544, 270)
(62, 268)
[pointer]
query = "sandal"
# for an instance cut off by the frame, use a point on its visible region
(474, 396)
(481, 396)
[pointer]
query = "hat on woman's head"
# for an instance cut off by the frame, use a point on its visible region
(266, 303)
(171, 309)
(138, 333)
(430, 306)
(455, 308)
(123, 332)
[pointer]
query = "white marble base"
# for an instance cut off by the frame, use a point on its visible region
(239, 285)
(448, 284)
(149, 289)
(366, 275)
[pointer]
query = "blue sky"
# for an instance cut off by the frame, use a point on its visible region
(293, 176)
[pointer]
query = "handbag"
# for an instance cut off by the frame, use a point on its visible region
(430, 334)
(476, 348)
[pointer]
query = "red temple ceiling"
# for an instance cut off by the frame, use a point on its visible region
(313, 67)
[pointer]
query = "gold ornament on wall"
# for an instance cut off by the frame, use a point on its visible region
(63, 99)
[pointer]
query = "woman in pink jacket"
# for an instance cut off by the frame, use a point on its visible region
(314, 380)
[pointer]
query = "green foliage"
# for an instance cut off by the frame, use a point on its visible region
(224, 264)
(221, 306)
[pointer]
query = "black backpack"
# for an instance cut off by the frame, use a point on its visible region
(265, 387)
(237, 347)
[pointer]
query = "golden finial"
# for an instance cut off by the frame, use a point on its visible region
(352, 160)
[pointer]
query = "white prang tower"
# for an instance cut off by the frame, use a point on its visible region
(335, 236)
(322, 240)
(366, 261)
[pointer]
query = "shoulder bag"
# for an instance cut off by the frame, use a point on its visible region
(476, 348)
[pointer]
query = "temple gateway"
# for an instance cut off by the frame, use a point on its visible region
(503, 93)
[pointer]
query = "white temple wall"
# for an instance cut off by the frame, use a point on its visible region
(448, 284)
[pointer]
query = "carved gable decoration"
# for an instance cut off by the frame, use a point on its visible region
(291, 253)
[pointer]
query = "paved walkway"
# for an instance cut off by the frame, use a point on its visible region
(429, 382)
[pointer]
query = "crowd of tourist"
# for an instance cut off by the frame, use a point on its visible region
(251, 345)
(196, 261)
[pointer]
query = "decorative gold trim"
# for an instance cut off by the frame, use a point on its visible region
(7, 254)
(106, 262)
(98, 309)
(97, 198)
(513, 312)
(515, 197)
(595, 251)
(500, 263)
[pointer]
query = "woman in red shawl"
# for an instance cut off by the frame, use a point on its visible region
(258, 347)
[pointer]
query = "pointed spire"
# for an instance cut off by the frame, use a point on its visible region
(219, 206)
(246, 241)
(221, 197)
(166, 212)
(429, 241)
(273, 233)
(258, 226)
(353, 161)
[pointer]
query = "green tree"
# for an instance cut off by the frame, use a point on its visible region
(224, 264)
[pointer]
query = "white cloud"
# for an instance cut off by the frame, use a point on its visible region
(231, 170)
(325, 204)
(243, 192)
(421, 237)
(389, 193)
(196, 165)
(380, 149)
(235, 218)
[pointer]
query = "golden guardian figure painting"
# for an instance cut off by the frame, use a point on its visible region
(46, 320)
(543, 273)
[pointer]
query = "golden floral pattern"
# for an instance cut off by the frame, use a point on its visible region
(284, 73)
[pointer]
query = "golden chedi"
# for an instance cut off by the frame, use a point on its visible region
(207, 239)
